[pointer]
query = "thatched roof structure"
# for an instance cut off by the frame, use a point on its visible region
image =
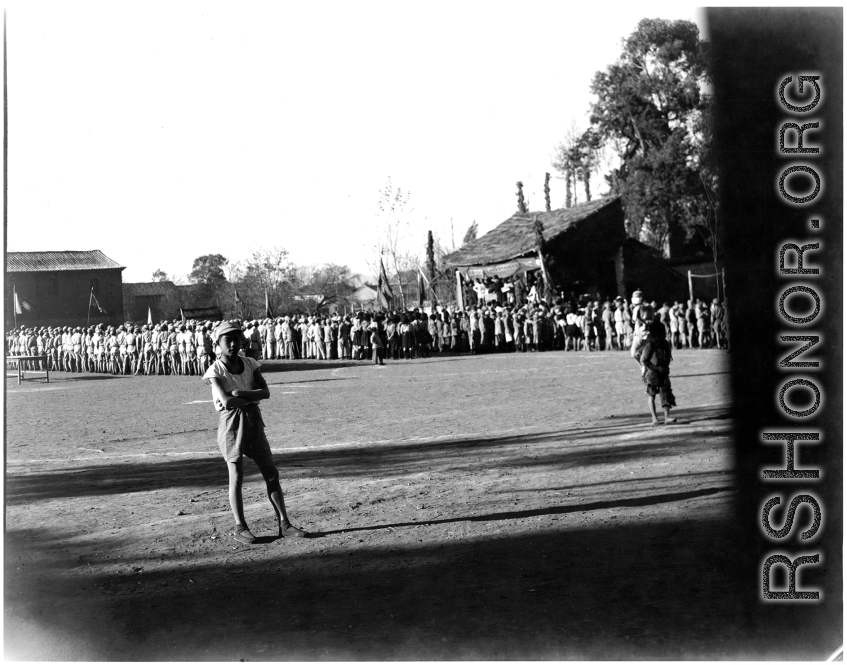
(515, 237)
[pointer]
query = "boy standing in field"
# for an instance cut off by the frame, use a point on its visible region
(656, 359)
(376, 343)
(237, 387)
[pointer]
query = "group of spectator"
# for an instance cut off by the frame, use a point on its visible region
(178, 347)
(186, 347)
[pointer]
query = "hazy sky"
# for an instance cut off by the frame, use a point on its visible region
(158, 132)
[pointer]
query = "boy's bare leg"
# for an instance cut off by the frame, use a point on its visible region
(651, 402)
(271, 476)
(668, 418)
(236, 502)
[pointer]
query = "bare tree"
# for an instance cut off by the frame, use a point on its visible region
(393, 239)
(565, 162)
(708, 226)
(267, 271)
(445, 276)
(318, 286)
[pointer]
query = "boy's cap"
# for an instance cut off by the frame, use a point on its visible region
(224, 327)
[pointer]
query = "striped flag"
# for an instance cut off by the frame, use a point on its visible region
(426, 285)
(384, 294)
(239, 305)
(421, 288)
(93, 299)
(540, 250)
(269, 313)
(21, 304)
(460, 300)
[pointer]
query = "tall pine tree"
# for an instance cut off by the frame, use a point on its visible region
(650, 106)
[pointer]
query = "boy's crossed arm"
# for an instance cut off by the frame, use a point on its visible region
(256, 394)
(239, 398)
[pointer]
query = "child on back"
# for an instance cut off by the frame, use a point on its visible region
(656, 359)
(237, 387)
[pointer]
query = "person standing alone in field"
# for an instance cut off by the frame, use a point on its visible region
(237, 388)
(656, 358)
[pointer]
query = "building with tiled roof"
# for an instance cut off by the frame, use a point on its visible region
(59, 261)
(159, 299)
(165, 300)
(68, 288)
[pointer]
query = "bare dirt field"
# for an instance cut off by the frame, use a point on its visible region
(490, 507)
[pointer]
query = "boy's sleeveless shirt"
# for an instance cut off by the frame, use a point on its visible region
(230, 382)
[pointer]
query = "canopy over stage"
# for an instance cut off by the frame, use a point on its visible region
(507, 269)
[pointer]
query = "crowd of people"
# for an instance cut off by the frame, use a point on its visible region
(187, 348)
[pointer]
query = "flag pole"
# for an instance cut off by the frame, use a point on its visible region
(15, 305)
(91, 295)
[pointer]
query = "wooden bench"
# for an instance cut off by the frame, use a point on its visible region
(17, 361)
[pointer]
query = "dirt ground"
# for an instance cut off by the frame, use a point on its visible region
(493, 507)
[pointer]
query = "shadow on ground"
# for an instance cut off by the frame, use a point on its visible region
(580, 446)
(641, 501)
(60, 377)
(276, 366)
(664, 590)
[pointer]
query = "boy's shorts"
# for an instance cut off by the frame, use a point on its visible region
(661, 388)
(241, 431)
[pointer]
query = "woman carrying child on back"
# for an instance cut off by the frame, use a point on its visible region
(237, 387)
(656, 358)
